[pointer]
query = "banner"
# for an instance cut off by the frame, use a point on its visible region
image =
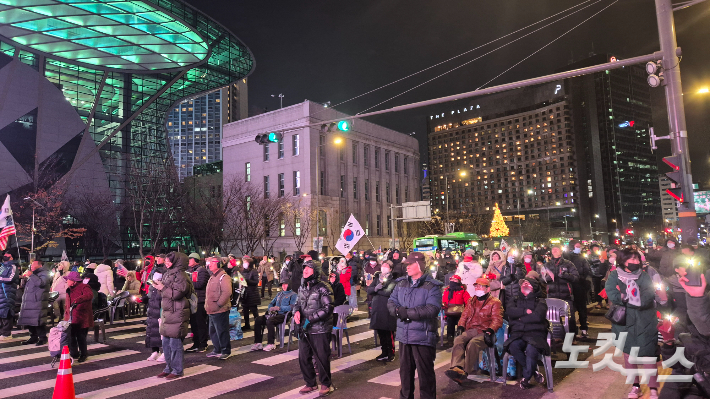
(350, 235)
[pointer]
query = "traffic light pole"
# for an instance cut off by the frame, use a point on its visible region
(676, 115)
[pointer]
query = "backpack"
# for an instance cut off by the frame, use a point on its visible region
(59, 337)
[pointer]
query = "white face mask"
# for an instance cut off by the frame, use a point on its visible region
(85, 281)
(671, 245)
(528, 260)
(479, 293)
(246, 265)
(373, 262)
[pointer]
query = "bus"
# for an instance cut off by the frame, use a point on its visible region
(455, 241)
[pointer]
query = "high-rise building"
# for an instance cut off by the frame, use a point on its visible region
(426, 186)
(195, 126)
(668, 203)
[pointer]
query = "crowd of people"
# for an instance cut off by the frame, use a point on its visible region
(476, 293)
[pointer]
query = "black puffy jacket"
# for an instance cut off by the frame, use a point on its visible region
(533, 327)
(9, 279)
(35, 299)
(200, 283)
(152, 333)
(315, 302)
(582, 268)
(251, 296)
(566, 275)
(510, 278)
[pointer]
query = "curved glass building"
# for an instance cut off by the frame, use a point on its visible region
(85, 86)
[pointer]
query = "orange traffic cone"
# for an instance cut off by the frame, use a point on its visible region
(64, 387)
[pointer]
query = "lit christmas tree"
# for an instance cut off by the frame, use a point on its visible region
(498, 227)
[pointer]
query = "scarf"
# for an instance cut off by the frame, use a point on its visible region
(632, 289)
(453, 287)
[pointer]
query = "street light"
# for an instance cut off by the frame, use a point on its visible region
(704, 90)
(32, 250)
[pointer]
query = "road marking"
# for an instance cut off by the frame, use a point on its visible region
(44, 367)
(223, 387)
(78, 377)
(145, 383)
(18, 348)
(126, 336)
(40, 355)
(392, 378)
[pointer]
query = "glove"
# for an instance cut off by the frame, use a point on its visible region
(402, 313)
(378, 287)
(489, 337)
(460, 330)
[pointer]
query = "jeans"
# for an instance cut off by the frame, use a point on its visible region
(172, 350)
(271, 324)
(526, 355)
(199, 326)
(77, 343)
(219, 333)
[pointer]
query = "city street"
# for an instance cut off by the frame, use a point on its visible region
(119, 369)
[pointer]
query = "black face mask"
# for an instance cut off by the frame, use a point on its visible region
(632, 267)
(455, 285)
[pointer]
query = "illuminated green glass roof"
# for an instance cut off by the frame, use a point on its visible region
(120, 34)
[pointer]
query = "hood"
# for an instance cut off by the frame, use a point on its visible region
(180, 263)
(337, 279)
(500, 253)
(103, 269)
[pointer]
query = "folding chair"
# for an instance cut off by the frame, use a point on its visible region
(341, 328)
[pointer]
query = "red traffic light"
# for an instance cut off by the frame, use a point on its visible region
(629, 232)
(617, 242)
(675, 176)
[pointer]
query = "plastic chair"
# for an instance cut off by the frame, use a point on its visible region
(118, 303)
(282, 330)
(558, 314)
(341, 328)
(291, 330)
(546, 361)
(100, 325)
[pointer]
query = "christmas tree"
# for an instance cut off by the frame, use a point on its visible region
(498, 227)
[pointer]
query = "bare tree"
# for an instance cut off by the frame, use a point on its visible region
(205, 213)
(300, 220)
(537, 230)
(100, 214)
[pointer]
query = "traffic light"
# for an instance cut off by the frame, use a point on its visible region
(267, 138)
(343, 126)
(654, 79)
(675, 176)
(629, 232)
(617, 241)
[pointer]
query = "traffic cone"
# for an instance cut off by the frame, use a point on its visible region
(64, 387)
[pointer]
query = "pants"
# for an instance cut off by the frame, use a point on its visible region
(526, 355)
(320, 349)
(653, 382)
(38, 332)
(199, 326)
(597, 284)
(419, 358)
(77, 343)
(352, 299)
(58, 307)
(6, 326)
(245, 313)
(451, 323)
(271, 323)
(580, 304)
(264, 282)
(387, 341)
(219, 333)
(466, 349)
(172, 350)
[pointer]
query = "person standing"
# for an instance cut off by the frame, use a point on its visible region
(34, 312)
(581, 287)
(9, 279)
(313, 312)
(217, 305)
(198, 320)
(559, 274)
(175, 289)
(266, 271)
(285, 274)
(496, 265)
(416, 302)
(152, 324)
(80, 297)
(105, 274)
(250, 297)
(59, 285)
(345, 274)
(380, 319)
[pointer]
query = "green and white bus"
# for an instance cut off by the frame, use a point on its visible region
(455, 241)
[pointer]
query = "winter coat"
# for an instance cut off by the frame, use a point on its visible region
(105, 275)
(266, 269)
(699, 313)
(199, 281)
(131, 286)
(251, 294)
(469, 273)
(565, 273)
(355, 272)
(295, 269)
(175, 299)
(83, 315)
(583, 270)
(666, 263)
(218, 293)
(459, 298)
(510, 278)
(380, 317)
(345, 276)
(118, 280)
(285, 275)
(531, 328)
(59, 285)
(339, 297)
(496, 268)
(9, 279)
(152, 333)
(447, 265)
(641, 320)
(315, 302)
(285, 300)
(421, 301)
(35, 300)
(482, 313)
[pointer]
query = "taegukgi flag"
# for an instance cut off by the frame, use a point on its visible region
(352, 233)
(7, 225)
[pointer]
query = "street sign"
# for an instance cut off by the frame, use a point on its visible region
(416, 211)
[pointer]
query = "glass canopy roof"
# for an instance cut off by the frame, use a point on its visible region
(120, 34)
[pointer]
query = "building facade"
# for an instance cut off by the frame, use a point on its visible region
(668, 203)
(362, 172)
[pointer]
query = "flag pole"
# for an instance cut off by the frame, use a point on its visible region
(368, 239)
(17, 244)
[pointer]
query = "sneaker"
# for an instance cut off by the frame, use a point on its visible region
(256, 347)
(200, 350)
(390, 358)
(153, 356)
(269, 347)
(525, 384)
(634, 394)
(539, 377)
(82, 359)
(654, 394)
(225, 356)
(325, 391)
(307, 389)
(161, 358)
(193, 348)
(30, 341)
(213, 354)
(584, 334)
(383, 357)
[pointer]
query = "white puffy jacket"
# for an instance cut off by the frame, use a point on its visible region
(105, 275)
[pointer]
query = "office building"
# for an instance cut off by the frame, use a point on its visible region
(426, 185)
(362, 173)
(668, 203)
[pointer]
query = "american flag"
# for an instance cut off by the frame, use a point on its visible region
(6, 223)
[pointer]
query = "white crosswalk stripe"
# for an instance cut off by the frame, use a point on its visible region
(39, 355)
(443, 358)
(44, 367)
(223, 387)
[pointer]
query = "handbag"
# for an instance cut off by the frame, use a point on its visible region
(616, 314)
(454, 310)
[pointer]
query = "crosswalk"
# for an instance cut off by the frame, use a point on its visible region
(118, 368)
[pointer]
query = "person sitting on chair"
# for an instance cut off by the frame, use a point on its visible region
(276, 314)
(481, 317)
(527, 332)
(453, 301)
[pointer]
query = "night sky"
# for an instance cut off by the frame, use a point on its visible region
(335, 50)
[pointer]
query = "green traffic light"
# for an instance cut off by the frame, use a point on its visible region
(273, 138)
(343, 126)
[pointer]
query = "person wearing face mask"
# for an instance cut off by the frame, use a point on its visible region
(598, 268)
(527, 331)
(469, 270)
(453, 301)
(371, 267)
(250, 297)
(495, 270)
(632, 288)
(559, 274)
(344, 275)
(152, 325)
(284, 274)
(79, 295)
(513, 272)
(667, 256)
(380, 319)
(481, 318)
(582, 286)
